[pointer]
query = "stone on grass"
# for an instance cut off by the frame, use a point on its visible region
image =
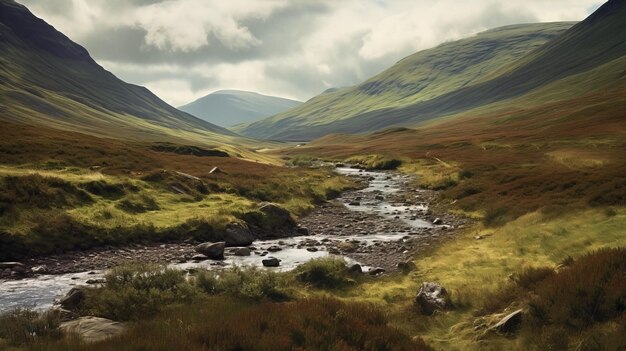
(92, 329)
(432, 297)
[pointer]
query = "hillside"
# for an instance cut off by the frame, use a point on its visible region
(417, 78)
(227, 108)
(49, 81)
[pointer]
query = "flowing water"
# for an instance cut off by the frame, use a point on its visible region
(40, 292)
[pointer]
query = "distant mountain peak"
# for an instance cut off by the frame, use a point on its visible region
(230, 107)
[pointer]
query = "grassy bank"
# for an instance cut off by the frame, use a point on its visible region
(66, 191)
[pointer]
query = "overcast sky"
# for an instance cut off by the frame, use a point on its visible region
(185, 49)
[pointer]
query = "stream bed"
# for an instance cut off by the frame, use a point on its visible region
(383, 223)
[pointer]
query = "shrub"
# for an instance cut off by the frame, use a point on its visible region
(249, 283)
(21, 326)
(137, 291)
(324, 272)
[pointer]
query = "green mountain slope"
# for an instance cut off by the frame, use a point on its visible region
(48, 80)
(417, 78)
(230, 107)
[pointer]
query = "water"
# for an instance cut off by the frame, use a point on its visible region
(41, 292)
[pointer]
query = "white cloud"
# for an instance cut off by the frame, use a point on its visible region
(338, 43)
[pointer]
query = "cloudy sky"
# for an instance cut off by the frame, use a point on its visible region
(185, 49)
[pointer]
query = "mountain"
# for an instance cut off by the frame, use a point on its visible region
(230, 107)
(50, 81)
(420, 77)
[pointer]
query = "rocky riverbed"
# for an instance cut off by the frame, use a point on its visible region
(381, 227)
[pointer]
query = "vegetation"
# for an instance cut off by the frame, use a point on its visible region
(374, 162)
(78, 192)
(324, 273)
(250, 283)
(417, 78)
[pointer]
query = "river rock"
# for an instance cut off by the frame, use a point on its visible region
(39, 269)
(238, 235)
(92, 329)
(199, 257)
(214, 251)
(274, 248)
(271, 262)
(376, 271)
(303, 230)
(72, 300)
(275, 216)
(406, 266)
(355, 268)
(509, 323)
(431, 297)
(242, 251)
(437, 221)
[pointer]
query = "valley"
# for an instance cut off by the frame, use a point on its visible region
(471, 196)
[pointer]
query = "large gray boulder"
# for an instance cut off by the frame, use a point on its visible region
(92, 329)
(432, 297)
(275, 216)
(214, 251)
(238, 235)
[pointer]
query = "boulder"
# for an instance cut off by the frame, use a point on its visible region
(238, 235)
(275, 216)
(376, 271)
(406, 266)
(509, 323)
(437, 221)
(72, 300)
(355, 268)
(199, 257)
(432, 297)
(242, 251)
(39, 269)
(302, 230)
(214, 251)
(271, 262)
(92, 329)
(274, 248)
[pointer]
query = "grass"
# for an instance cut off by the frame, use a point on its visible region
(78, 191)
(420, 77)
(374, 162)
(224, 323)
(229, 309)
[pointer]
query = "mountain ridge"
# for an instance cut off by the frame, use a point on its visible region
(419, 77)
(230, 107)
(45, 78)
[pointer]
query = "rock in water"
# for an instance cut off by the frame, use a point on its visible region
(437, 221)
(508, 324)
(242, 251)
(431, 297)
(92, 329)
(238, 235)
(271, 262)
(214, 251)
